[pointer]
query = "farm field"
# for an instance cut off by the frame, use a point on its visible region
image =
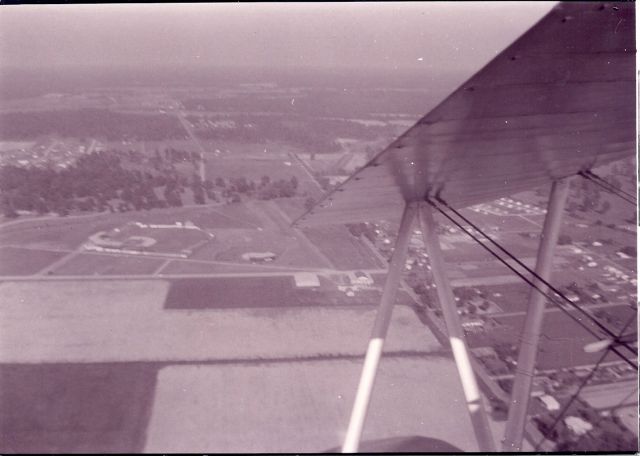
(89, 263)
(344, 251)
(91, 407)
(232, 149)
(302, 406)
(248, 292)
(114, 320)
(17, 261)
(561, 345)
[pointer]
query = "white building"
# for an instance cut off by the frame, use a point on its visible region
(306, 280)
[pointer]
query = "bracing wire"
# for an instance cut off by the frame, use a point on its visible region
(628, 197)
(536, 275)
(593, 175)
(532, 284)
(584, 382)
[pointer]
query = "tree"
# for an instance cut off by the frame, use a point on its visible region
(564, 239)
(8, 209)
(309, 203)
(606, 205)
(629, 250)
(356, 229)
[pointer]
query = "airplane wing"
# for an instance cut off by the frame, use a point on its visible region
(559, 100)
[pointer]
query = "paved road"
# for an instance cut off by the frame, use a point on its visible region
(34, 278)
(195, 139)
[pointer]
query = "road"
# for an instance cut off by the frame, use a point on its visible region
(303, 165)
(194, 138)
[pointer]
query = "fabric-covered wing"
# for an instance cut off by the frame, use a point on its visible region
(559, 100)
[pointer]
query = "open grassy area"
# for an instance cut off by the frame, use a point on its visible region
(167, 240)
(189, 267)
(89, 263)
(70, 232)
(293, 207)
(230, 245)
(17, 261)
(344, 250)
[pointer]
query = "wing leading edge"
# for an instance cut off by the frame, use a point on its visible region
(559, 100)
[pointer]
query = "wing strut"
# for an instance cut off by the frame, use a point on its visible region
(379, 333)
(475, 405)
(459, 347)
(533, 324)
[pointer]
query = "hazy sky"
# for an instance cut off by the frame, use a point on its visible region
(363, 35)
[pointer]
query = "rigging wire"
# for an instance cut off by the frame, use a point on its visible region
(584, 382)
(537, 276)
(532, 284)
(628, 197)
(593, 175)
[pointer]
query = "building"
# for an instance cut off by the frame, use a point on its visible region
(259, 257)
(306, 280)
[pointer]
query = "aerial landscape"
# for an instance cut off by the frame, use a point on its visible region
(158, 293)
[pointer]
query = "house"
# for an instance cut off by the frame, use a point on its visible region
(306, 280)
(360, 278)
(577, 425)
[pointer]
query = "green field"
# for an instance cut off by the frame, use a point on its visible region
(17, 261)
(89, 263)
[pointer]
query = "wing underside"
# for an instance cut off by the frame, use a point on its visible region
(559, 100)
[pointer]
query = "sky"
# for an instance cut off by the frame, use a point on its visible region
(398, 35)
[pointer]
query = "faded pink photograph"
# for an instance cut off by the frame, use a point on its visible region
(357, 227)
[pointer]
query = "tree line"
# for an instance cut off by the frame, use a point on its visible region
(101, 181)
(90, 123)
